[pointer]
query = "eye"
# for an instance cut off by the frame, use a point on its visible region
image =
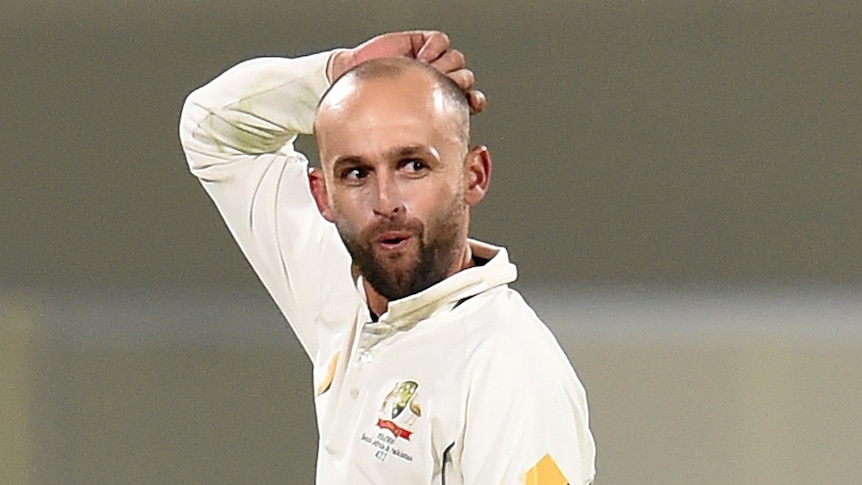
(354, 174)
(414, 165)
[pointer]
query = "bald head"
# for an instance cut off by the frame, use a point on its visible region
(428, 86)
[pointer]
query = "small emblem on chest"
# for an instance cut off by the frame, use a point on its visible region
(395, 419)
(400, 409)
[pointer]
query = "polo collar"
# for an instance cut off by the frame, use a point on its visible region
(405, 313)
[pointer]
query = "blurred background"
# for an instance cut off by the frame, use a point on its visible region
(679, 183)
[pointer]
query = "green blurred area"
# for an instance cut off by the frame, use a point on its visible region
(686, 143)
(684, 388)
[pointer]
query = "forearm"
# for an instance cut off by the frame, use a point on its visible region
(256, 107)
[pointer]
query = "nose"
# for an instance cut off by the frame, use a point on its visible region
(388, 201)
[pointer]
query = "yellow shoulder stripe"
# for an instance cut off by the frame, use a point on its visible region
(545, 472)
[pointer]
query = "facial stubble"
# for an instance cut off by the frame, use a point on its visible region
(439, 246)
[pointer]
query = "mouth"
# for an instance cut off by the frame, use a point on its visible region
(393, 240)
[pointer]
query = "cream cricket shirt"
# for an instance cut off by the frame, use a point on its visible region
(458, 384)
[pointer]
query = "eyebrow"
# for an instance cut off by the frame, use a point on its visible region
(347, 160)
(407, 151)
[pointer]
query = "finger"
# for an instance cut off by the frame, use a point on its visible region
(451, 60)
(433, 45)
(464, 78)
(477, 101)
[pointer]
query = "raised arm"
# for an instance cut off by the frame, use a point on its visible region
(238, 132)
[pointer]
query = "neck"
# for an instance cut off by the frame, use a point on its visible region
(379, 304)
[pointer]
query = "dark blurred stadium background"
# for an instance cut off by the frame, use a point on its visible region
(678, 181)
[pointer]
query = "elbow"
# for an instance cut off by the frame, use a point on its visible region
(190, 117)
(195, 142)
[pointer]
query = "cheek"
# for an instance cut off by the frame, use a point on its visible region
(436, 201)
(349, 209)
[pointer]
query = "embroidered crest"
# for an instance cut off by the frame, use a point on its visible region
(395, 419)
(392, 415)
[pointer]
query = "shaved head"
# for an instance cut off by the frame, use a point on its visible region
(447, 94)
(397, 176)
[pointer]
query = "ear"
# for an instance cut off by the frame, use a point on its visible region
(477, 174)
(318, 190)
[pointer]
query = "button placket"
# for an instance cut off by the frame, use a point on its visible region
(362, 355)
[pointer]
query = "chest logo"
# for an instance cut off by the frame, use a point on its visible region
(395, 419)
(400, 410)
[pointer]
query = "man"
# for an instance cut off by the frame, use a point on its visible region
(428, 369)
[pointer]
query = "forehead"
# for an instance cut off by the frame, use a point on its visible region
(363, 117)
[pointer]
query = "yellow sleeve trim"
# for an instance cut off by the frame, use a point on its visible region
(326, 383)
(545, 472)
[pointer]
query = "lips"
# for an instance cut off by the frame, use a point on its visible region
(392, 240)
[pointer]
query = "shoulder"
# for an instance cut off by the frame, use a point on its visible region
(505, 339)
(501, 321)
(521, 397)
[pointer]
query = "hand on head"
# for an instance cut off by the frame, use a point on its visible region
(432, 47)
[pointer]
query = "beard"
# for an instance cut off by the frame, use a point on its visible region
(431, 252)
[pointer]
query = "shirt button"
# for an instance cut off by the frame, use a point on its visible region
(354, 393)
(365, 357)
